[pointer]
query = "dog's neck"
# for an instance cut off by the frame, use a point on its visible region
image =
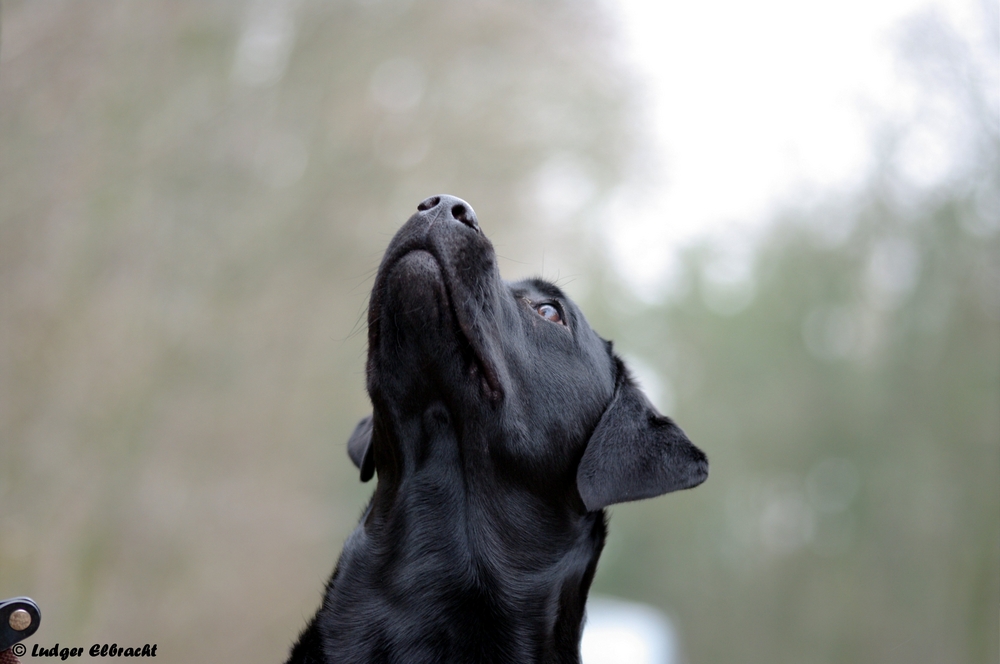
(509, 566)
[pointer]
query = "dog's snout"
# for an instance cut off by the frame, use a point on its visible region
(450, 208)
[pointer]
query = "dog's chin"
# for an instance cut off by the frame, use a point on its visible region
(415, 292)
(420, 330)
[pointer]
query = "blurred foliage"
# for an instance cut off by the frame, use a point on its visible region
(193, 197)
(845, 383)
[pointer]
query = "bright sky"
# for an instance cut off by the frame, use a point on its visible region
(755, 104)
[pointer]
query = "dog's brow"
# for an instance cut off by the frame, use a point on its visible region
(544, 288)
(551, 290)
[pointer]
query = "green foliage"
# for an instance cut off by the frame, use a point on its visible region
(851, 413)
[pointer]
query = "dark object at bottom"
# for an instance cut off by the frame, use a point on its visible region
(19, 619)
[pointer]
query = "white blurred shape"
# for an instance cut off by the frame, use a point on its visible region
(774, 103)
(927, 155)
(397, 85)
(265, 44)
(562, 186)
(620, 632)
(638, 240)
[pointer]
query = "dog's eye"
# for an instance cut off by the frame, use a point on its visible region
(548, 312)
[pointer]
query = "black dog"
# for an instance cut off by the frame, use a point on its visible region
(502, 426)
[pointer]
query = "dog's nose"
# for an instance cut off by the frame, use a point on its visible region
(450, 207)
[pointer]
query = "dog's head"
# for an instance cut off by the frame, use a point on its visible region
(529, 393)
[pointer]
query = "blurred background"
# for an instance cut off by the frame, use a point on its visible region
(787, 218)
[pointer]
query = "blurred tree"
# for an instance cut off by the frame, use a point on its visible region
(193, 197)
(846, 386)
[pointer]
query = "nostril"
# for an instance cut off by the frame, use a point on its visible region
(466, 216)
(428, 203)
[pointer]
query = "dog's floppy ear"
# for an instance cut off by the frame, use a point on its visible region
(359, 448)
(635, 452)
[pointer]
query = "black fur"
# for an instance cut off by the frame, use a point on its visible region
(498, 435)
